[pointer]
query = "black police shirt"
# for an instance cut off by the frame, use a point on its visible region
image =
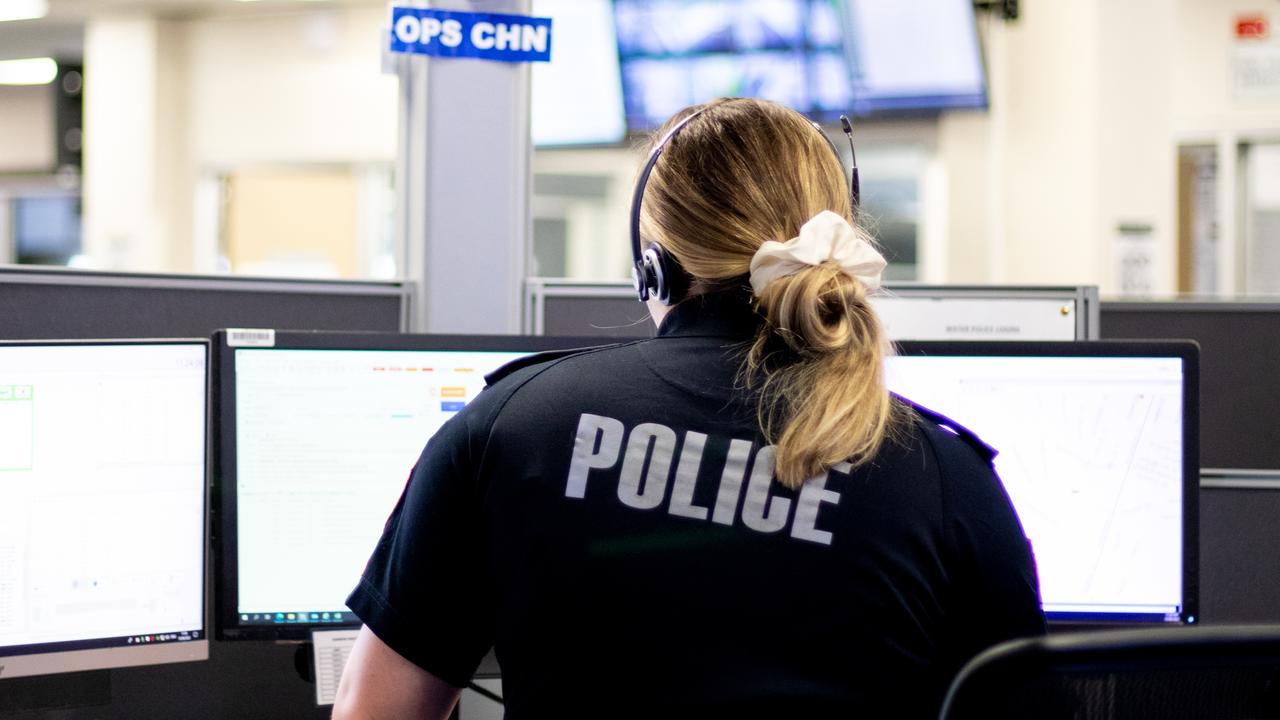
(607, 521)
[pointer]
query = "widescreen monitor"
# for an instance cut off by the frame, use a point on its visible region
(1098, 451)
(317, 435)
(821, 57)
(102, 504)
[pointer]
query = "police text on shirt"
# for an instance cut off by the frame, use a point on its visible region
(642, 485)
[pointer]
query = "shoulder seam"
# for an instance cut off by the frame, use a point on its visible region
(512, 393)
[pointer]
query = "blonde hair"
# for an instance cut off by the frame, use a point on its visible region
(744, 172)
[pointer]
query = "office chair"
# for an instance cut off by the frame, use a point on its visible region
(1215, 672)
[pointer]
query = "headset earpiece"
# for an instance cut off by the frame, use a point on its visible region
(655, 271)
(661, 277)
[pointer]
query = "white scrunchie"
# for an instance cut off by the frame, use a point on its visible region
(826, 236)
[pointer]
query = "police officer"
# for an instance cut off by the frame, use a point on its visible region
(734, 518)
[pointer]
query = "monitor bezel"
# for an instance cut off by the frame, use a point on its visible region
(224, 504)
(1189, 353)
(89, 654)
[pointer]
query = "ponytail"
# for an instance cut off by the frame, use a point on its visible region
(826, 403)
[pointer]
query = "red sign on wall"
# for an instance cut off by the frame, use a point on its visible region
(1252, 27)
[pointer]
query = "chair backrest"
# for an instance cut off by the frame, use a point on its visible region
(1220, 672)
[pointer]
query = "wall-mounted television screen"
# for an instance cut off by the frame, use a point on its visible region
(822, 57)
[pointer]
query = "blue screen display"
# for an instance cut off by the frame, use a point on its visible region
(46, 227)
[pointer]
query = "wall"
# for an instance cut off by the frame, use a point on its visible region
(1203, 36)
(174, 173)
(121, 213)
(169, 102)
(1136, 181)
(1040, 165)
(964, 147)
(1089, 101)
(303, 86)
(1206, 112)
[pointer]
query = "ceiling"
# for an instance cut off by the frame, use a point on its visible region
(60, 34)
(79, 10)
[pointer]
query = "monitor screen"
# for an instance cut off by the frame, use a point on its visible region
(1097, 450)
(914, 55)
(576, 98)
(318, 433)
(822, 57)
(46, 229)
(102, 505)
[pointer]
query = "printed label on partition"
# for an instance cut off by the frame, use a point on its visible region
(251, 337)
(924, 318)
(483, 36)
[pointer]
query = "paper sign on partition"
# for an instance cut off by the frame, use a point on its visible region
(332, 648)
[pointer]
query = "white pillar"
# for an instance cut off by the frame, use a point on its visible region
(138, 193)
(1231, 191)
(8, 253)
(463, 181)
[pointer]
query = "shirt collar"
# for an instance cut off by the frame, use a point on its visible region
(729, 313)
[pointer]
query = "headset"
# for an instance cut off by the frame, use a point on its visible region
(655, 272)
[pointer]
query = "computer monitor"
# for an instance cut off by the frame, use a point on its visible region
(820, 57)
(914, 56)
(1099, 454)
(317, 435)
(102, 504)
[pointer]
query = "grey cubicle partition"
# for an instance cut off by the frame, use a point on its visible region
(555, 306)
(1239, 443)
(1239, 371)
(240, 680)
(1239, 535)
(43, 303)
